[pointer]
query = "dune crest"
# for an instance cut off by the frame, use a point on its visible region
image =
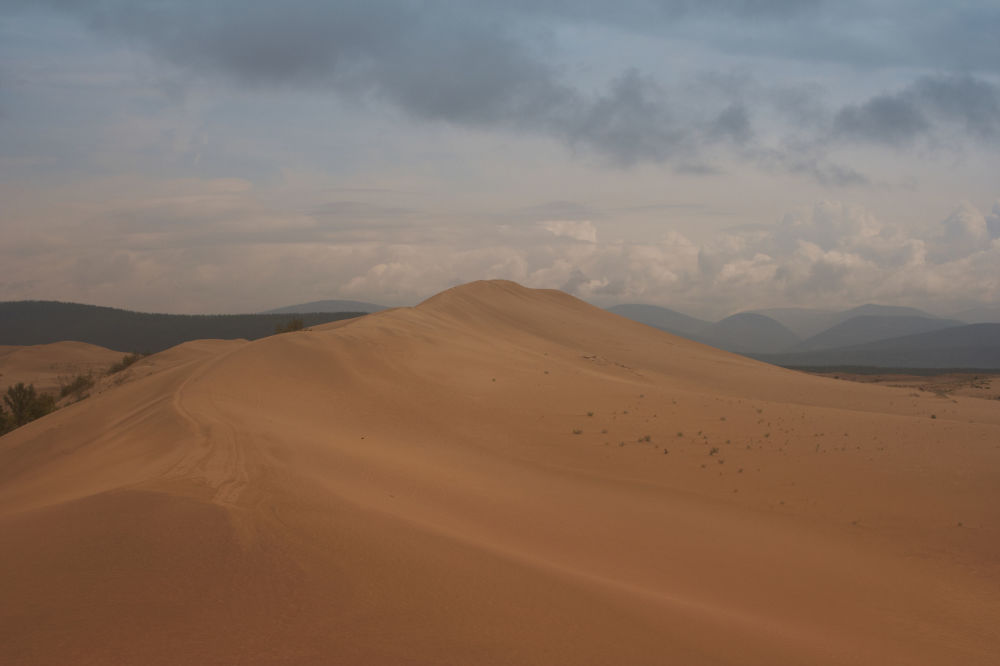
(49, 366)
(498, 475)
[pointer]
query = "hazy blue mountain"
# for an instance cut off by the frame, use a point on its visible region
(803, 322)
(869, 328)
(808, 322)
(664, 318)
(744, 332)
(972, 346)
(989, 314)
(882, 311)
(41, 322)
(328, 306)
(748, 332)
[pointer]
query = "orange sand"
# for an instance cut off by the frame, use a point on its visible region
(50, 366)
(470, 482)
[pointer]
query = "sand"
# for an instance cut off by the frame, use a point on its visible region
(498, 476)
(49, 367)
(969, 384)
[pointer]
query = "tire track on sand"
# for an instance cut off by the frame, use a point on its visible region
(219, 458)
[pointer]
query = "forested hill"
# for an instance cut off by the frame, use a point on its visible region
(41, 322)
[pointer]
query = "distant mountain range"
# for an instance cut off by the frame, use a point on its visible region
(869, 335)
(41, 322)
(663, 318)
(869, 328)
(972, 346)
(983, 315)
(748, 332)
(807, 322)
(328, 306)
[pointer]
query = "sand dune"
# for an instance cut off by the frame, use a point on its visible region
(498, 476)
(49, 366)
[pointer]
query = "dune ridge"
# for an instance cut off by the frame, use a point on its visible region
(498, 475)
(48, 366)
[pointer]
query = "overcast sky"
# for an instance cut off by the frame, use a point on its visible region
(711, 156)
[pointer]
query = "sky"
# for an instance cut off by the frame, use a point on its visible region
(711, 156)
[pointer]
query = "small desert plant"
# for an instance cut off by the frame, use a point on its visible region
(294, 324)
(590, 413)
(127, 360)
(713, 451)
(577, 431)
(77, 385)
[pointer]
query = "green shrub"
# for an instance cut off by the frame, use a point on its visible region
(294, 324)
(26, 404)
(127, 360)
(77, 385)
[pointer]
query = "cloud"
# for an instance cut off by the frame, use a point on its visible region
(930, 104)
(582, 230)
(993, 221)
(215, 246)
(502, 67)
(962, 233)
(884, 118)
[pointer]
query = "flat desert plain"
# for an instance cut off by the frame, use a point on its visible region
(498, 476)
(968, 383)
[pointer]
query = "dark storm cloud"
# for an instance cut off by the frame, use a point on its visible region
(972, 105)
(814, 167)
(490, 65)
(464, 66)
(734, 124)
(884, 119)
(630, 123)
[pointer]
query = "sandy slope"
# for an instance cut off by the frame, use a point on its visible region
(470, 482)
(49, 366)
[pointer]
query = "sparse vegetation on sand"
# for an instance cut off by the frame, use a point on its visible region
(293, 324)
(23, 405)
(77, 386)
(127, 360)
